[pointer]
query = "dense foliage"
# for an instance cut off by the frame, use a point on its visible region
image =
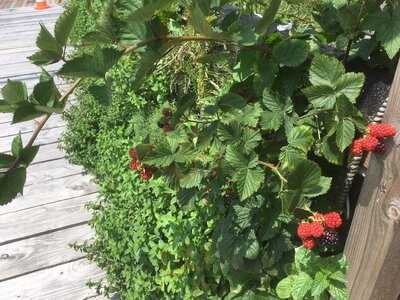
(243, 125)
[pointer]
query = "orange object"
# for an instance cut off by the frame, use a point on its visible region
(41, 4)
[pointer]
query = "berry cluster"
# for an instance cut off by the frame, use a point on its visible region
(145, 172)
(374, 140)
(320, 229)
(165, 122)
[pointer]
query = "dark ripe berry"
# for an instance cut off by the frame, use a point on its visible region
(333, 220)
(309, 244)
(167, 112)
(135, 165)
(330, 238)
(380, 148)
(357, 148)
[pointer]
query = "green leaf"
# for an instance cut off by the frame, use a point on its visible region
(320, 284)
(350, 85)
(275, 102)
(322, 96)
(231, 100)
(243, 216)
(148, 10)
(291, 52)
(15, 92)
(102, 93)
(44, 58)
(302, 284)
(271, 120)
(338, 276)
(11, 184)
(200, 23)
(285, 287)
(162, 156)
(6, 160)
(325, 70)
(301, 137)
(64, 25)
(28, 155)
(345, 134)
(331, 152)
(95, 65)
(46, 93)
(386, 25)
(16, 146)
(192, 179)
(26, 112)
(50, 50)
(253, 247)
(338, 291)
(268, 16)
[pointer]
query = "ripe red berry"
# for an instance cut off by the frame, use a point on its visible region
(317, 230)
(381, 130)
(135, 165)
(333, 220)
(369, 143)
(357, 148)
(304, 230)
(133, 154)
(167, 128)
(309, 244)
(146, 174)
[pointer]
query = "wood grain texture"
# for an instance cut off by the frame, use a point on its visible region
(43, 251)
(64, 282)
(53, 216)
(373, 246)
(50, 192)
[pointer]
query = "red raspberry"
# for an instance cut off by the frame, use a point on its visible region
(167, 128)
(133, 154)
(333, 220)
(135, 165)
(369, 143)
(309, 244)
(381, 130)
(317, 230)
(358, 147)
(304, 230)
(146, 174)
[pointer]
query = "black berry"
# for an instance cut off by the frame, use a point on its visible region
(329, 238)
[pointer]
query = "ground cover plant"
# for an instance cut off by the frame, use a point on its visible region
(220, 174)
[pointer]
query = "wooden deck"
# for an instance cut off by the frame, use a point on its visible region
(36, 261)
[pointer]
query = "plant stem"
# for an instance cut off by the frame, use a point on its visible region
(274, 169)
(348, 49)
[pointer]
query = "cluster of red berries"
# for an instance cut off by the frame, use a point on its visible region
(145, 172)
(374, 140)
(165, 122)
(320, 229)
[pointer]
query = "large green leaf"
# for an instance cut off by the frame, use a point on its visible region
(231, 100)
(26, 112)
(50, 50)
(285, 287)
(64, 25)
(16, 146)
(301, 286)
(291, 52)
(345, 134)
(15, 92)
(386, 25)
(320, 285)
(301, 137)
(192, 179)
(350, 85)
(271, 120)
(338, 291)
(46, 93)
(11, 184)
(6, 160)
(325, 70)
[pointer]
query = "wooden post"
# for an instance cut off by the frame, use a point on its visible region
(373, 245)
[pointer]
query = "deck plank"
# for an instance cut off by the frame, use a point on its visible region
(43, 251)
(66, 282)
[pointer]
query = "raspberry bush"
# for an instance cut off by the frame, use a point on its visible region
(248, 151)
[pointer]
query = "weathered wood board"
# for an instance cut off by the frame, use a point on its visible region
(373, 246)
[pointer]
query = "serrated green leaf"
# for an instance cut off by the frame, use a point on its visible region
(250, 139)
(301, 286)
(231, 100)
(386, 25)
(249, 181)
(350, 85)
(338, 291)
(338, 276)
(64, 25)
(95, 65)
(275, 102)
(192, 179)
(331, 152)
(289, 156)
(271, 120)
(253, 247)
(11, 184)
(291, 52)
(320, 285)
(325, 70)
(44, 58)
(16, 146)
(26, 112)
(322, 96)
(243, 216)
(46, 93)
(301, 137)
(285, 287)
(28, 155)
(162, 156)
(50, 50)
(230, 133)
(14, 92)
(345, 134)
